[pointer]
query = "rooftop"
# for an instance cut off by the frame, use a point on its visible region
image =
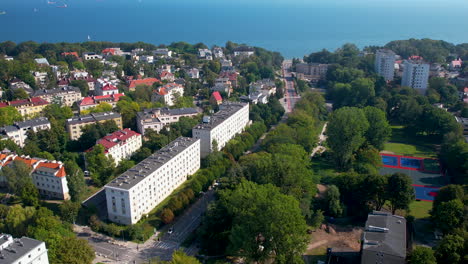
(147, 81)
(385, 233)
(95, 117)
(116, 138)
(155, 113)
(227, 109)
(143, 169)
(66, 89)
(36, 101)
(13, 249)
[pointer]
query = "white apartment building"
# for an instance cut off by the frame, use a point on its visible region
(385, 64)
(19, 130)
(91, 56)
(163, 52)
(49, 177)
(415, 75)
(121, 144)
(157, 118)
(23, 250)
(137, 191)
(222, 126)
(168, 93)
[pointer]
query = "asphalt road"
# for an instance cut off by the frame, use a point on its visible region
(290, 95)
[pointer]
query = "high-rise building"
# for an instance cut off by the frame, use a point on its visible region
(23, 250)
(415, 75)
(137, 191)
(385, 64)
(222, 126)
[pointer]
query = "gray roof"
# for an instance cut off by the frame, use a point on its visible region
(385, 233)
(164, 111)
(33, 122)
(227, 109)
(143, 169)
(91, 118)
(65, 89)
(17, 249)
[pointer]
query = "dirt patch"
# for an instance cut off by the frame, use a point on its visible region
(321, 190)
(387, 152)
(343, 238)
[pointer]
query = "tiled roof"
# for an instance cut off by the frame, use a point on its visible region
(166, 88)
(217, 96)
(116, 138)
(36, 101)
(108, 51)
(232, 76)
(35, 163)
(92, 100)
(109, 87)
(73, 53)
(146, 81)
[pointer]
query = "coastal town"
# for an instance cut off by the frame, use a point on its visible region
(137, 153)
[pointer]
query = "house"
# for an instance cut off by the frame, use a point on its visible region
(168, 93)
(244, 51)
(106, 89)
(255, 98)
(218, 52)
(49, 177)
(93, 101)
(112, 52)
(67, 95)
(8, 58)
(193, 73)
(146, 58)
(205, 54)
(463, 121)
(167, 76)
(18, 84)
(27, 107)
(232, 77)
(456, 64)
(163, 52)
(121, 144)
(266, 86)
(316, 71)
(75, 124)
(42, 62)
(72, 53)
(91, 56)
(40, 78)
(140, 82)
(18, 132)
(222, 85)
(166, 67)
(22, 250)
(226, 65)
(216, 98)
(157, 118)
(64, 82)
(384, 239)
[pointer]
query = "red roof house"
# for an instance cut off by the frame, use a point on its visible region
(216, 98)
(73, 53)
(147, 81)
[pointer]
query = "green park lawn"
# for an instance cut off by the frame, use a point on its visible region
(420, 209)
(402, 144)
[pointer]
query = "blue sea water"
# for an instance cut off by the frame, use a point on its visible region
(292, 27)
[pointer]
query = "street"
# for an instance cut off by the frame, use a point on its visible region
(290, 95)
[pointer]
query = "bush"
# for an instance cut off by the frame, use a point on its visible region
(167, 216)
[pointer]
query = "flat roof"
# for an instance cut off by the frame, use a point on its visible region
(95, 117)
(227, 109)
(17, 249)
(133, 176)
(66, 89)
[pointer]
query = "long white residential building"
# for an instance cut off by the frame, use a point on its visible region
(121, 144)
(385, 64)
(137, 191)
(23, 250)
(231, 119)
(415, 75)
(18, 132)
(157, 118)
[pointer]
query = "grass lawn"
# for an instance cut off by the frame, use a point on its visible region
(420, 209)
(313, 255)
(403, 144)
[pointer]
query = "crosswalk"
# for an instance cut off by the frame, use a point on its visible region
(165, 245)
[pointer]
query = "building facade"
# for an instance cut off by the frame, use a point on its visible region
(137, 191)
(49, 177)
(312, 71)
(93, 101)
(157, 118)
(65, 95)
(27, 107)
(415, 75)
(76, 124)
(23, 250)
(385, 64)
(19, 130)
(121, 144)
(231, 119)
(168, 93)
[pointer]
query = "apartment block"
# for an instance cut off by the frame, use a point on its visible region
(231, 119)
(23, 250)
(19, 130)
(157, 118)
(416, 75)
(168, 93)
(121, 144)
(137, 191)
(27, 107)
(49, 177)
(385, 64)
(76, 124)
(93, 101)
(312, 71)
(66, 95)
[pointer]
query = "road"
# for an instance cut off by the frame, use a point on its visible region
(290, 95)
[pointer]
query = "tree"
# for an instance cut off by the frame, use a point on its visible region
(422, 255)
(82, 84)
(95, 67)
(17, 176)
(57, 112)
(69, 211)
(451, 249)
(29, 194)
(448, 216)
(379, 129)
(75, 180)
(167, 216)
(100, 108)
(400, 192)
(9, 115)
(346, 129)
(128, 110)
(74, 251)
(373, 191)
(277, 229)
(332, 197)
(100, 166)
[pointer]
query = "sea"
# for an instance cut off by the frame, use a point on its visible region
(293, 27)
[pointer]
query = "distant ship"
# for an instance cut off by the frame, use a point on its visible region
(2, 13)
(51, 3)
(64, 6)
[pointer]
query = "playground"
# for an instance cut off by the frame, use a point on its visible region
(425, 173)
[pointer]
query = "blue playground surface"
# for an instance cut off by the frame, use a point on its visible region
(410, 163)
(424, 193)
(390, 161)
